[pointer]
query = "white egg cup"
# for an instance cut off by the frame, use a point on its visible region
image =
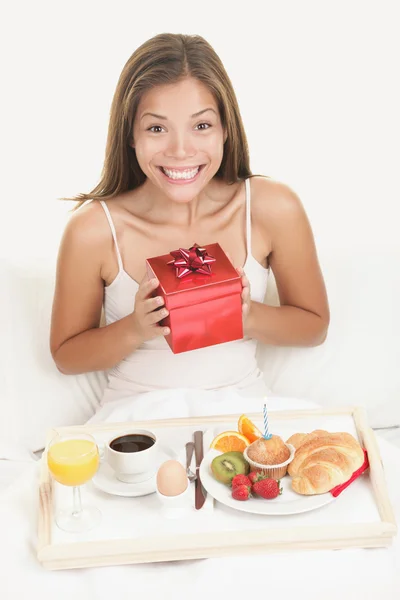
(175, 507)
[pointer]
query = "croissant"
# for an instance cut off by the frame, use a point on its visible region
(323, 460)
(298, 438)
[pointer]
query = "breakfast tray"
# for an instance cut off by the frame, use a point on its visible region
(133, 530)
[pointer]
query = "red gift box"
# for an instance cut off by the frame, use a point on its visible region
(204, 309)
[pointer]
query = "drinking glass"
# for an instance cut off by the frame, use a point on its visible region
(73, 459)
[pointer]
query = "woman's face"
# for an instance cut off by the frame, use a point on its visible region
(178, 138)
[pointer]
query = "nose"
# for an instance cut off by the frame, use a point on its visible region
(180, 146)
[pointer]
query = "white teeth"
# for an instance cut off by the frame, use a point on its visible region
(189, 174)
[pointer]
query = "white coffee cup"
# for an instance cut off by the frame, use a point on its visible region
(133, 454)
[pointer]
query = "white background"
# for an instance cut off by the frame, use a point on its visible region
(317, 84)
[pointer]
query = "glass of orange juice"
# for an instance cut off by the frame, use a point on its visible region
(73, 459)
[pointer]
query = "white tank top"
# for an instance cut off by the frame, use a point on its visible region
(153, 366)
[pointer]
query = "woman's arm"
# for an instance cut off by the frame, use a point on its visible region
(302, 319)
(78, 344)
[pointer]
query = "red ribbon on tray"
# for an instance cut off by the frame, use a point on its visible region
(339, 488)
(192, 260)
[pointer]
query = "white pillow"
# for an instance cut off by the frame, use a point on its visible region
(359, 363)
(36, 396)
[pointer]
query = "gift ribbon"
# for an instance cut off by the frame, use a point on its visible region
(339, 488)
(192, 260)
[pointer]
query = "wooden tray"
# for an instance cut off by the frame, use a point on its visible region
(361, 516)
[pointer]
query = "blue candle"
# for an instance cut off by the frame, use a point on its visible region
(267, 435)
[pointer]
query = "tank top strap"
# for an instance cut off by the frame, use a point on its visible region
(110, 221)
(248, 216)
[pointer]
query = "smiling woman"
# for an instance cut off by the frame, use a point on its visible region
(177, 171)
(180, 149)
(190, 74)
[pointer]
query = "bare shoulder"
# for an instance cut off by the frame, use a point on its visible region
(86, 241)
(87, 228)
(274, 201)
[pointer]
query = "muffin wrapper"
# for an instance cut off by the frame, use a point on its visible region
(272, 471)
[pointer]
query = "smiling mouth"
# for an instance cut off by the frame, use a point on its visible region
(181, 174)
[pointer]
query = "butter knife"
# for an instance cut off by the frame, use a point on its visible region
(200, 494)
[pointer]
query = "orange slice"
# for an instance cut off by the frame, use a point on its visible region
(248, 429)
(230, 441)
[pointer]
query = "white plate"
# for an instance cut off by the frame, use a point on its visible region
(288, 503)
(106, 481)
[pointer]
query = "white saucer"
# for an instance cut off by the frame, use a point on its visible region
(106, 481)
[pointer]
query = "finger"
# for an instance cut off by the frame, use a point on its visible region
(245, 293)
(152, 303)
(245, 281)
(146, 287)
(144, 280)
(157, 331)
(156, 316)
(243, 275)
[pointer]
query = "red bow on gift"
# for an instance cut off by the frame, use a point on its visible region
(194, 260)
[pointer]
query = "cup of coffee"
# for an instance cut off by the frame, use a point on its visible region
(133, 455)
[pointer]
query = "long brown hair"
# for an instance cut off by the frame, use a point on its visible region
(165, 59)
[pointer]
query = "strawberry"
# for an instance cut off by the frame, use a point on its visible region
(241, 492)
(240, 480)
(267, 488)
(255, 476)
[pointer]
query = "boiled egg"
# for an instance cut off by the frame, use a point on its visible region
(171, 478)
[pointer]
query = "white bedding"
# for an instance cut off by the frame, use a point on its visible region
(347, 574)
(10, 471)
(390, 434)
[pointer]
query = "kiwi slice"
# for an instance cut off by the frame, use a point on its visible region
(225, 466)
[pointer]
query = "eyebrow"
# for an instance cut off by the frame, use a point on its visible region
(166, 118)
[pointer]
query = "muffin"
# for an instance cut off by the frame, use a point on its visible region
(269, 457)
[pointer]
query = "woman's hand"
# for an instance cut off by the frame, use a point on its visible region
(246, 298)
(147, 313)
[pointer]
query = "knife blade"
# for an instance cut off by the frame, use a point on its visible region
(200, 494)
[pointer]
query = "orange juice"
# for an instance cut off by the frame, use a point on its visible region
(73, 462)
